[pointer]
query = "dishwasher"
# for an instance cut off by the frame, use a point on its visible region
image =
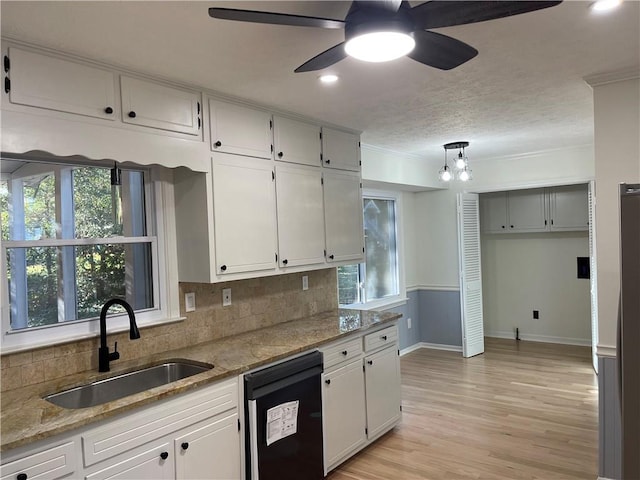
(284, 420)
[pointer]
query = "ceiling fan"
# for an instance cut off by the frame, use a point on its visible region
(382, 30)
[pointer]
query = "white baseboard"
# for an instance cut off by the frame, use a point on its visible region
(604, 478)
(433, 346)
(541, 338)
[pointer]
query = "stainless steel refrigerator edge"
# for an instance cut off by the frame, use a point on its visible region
(629, 329)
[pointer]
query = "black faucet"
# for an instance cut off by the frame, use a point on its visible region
(104, 357)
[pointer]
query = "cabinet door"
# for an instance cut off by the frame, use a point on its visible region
(300, 215)
(343, 216)
(493, 208)
(344, 415)
(56, 462)
(382, 378)
(296, 142)
(527, 211)
(244, 214)
(340, 149)
(210, 451)
(159, 106)
(56, 84)
(240, 130)
(154, 463)
(569, 208)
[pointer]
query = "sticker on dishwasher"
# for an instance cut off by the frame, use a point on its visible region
(282, 421)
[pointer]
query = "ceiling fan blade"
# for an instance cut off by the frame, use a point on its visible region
(274, 18)
(440, 51)
(324, 60)
(447, 13)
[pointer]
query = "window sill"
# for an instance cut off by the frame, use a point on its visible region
(9, 349)
(382, 305)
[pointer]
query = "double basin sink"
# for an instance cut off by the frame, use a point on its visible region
(119, 386)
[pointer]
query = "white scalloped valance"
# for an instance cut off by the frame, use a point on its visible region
(25, 133)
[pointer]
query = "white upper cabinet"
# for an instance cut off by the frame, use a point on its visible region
(340, 149)
(296, 141)
(50, 82)
(343, 216)
(244, 209)
(300, 215)
(240, 130)
(527, 211)
(494, 213)
(160, 106)
(568, 208)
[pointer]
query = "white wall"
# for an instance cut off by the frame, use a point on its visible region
(617, 159)
(523, 272)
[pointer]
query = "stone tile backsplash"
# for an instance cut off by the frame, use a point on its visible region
(256, 303)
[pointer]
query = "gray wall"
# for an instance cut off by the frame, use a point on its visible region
(435, 318)
(609, 419)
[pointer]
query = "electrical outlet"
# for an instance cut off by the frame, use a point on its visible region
(190, 302)
(536, 314)
(305, 282)
(409, 322)
(226, 297)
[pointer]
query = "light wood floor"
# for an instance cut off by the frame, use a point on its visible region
(522, 410)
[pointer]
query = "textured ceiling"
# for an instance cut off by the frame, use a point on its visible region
(523, 93)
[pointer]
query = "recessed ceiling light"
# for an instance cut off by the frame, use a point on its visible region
(328, 78)
(605, 5)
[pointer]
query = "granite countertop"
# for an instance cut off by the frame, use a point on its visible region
(25, 417)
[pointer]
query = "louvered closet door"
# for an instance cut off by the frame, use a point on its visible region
(470, 274)
(593, 275)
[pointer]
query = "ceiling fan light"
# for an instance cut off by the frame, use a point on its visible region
(605, 5)
(380, 46)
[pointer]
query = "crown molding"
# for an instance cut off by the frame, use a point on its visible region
(612, 77)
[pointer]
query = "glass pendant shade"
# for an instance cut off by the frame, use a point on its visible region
(445, 173)
(461, 161)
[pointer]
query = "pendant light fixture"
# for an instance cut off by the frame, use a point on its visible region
(460, 169)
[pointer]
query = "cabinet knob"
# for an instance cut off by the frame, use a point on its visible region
(223, 267)
(331, 257)
(132, 114)
(280, 154)
(370, 362)
(185, 445)
(328, 381)
(217, 144)
(21, 476)
(164, 455)
(344, 352)
(108, 110)
(327, 161)
(383, 337)
(502, 226)
(285, 261)
(511, 226)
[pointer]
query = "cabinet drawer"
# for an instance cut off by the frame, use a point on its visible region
(380, 338)
(336, 354)
(50, 464)
(141, 427)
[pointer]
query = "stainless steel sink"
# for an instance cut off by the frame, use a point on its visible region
(109, 389)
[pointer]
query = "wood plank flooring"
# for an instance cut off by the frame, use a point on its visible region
(522, 410)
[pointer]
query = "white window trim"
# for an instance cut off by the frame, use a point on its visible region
(401, 298)
(165, 282)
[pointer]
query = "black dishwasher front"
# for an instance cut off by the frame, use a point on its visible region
(284, 418)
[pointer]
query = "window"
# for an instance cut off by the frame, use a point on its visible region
(378, 281)
(71, 241)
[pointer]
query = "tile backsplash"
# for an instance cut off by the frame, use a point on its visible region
(256, 303)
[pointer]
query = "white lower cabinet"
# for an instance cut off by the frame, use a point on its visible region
(50, 463)
(382, 378)
(154, 462)
(205, 450)
(344, 415)
(361, 393)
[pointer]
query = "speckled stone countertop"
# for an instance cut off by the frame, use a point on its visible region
(26, 417)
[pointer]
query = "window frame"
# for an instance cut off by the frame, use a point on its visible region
(160, 217)
(401, 297)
